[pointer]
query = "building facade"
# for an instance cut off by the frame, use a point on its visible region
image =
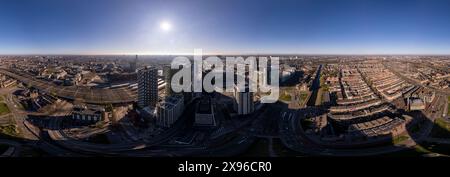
(169, 110)
(147, 87)
(244, 101)
(168, 73)
(88, 114)
(133, 64)
(204, 113)
(416, 104)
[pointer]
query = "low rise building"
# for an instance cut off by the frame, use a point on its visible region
(416, 104)
(88, 113)
(384, 127)
(7, 83)
(204, 114)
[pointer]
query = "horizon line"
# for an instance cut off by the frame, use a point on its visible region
(226, 54)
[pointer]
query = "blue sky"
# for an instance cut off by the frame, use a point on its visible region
(225, 26)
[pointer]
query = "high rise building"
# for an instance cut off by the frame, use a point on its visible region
(269, 72)
(147, 86)
(244, 101)
(168, 74)
(169, 110)
(133, 64)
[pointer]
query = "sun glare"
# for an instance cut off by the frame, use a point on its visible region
(165, 26)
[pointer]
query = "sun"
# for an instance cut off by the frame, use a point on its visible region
(165, 26)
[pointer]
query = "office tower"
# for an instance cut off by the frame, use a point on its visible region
(269, 72)
(244, 101)
(169, 110)
(133, 64)
(168, 74)
(147, 86)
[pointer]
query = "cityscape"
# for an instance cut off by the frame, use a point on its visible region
(64, 95)
(123, 106)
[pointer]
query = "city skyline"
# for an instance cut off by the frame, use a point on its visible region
(231, 27)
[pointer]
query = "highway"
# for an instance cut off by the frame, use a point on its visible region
(293, 137)
(132, 149)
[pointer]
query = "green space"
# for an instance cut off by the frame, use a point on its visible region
(260, 148)
(99, 139)
(428, 148)
(399, 139)
(302, 98)
(4, 109)
(326, 87)
(303, 95)
(285, 97)
(50, 70)
(417, 151)
(289, 94)
(99, 124)
(306, 123)
(441, 129)
(421, 150)
(9, 130)
(436, 148)
(285, 93)
(448, 107)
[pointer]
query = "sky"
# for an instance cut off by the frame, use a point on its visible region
(224, 26)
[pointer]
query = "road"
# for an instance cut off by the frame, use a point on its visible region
(132, 148)
(13, 150)
(19, 118)
(293, 137)
(88, 94)
(315, 87)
